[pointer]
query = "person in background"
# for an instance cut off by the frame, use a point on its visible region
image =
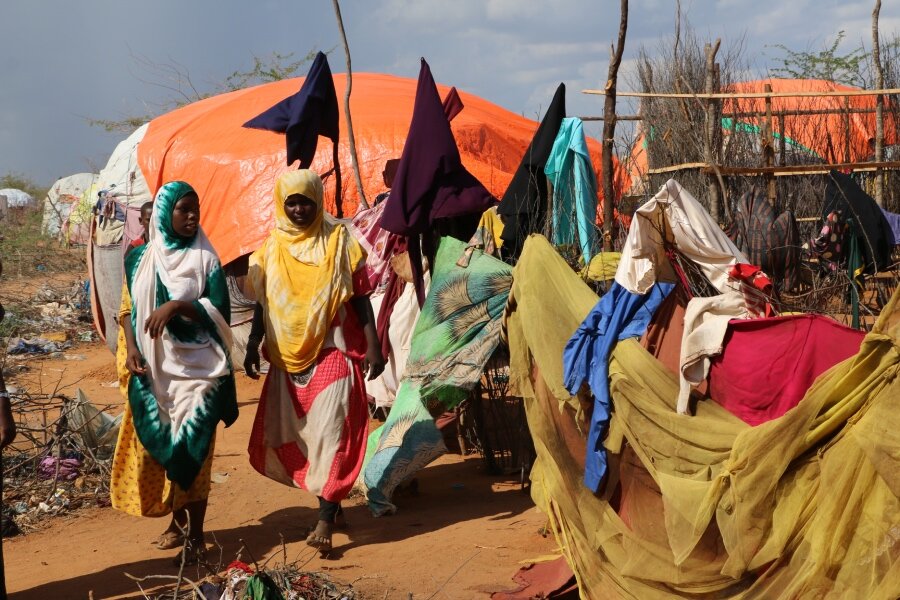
(7, 435)
(146, 212)
(175, 371)
(387, 175)
(311, 425)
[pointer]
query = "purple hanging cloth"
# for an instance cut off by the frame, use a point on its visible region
(431, 182)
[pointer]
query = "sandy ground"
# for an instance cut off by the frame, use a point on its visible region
(463, 536)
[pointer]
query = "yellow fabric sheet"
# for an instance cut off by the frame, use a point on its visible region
(302, 276)
(705, 506)
(602, 267)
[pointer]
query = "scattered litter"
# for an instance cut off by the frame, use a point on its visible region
(63, 469)
(111, 384)
(74, 356)
(219, 477)
(38, 345)
(55, 336)
(85, 336)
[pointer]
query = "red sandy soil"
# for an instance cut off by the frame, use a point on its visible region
(463, 536)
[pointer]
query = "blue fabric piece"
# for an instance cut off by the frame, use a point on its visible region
(303, 117)
(893, 220)
(570, 171)
(620, 314)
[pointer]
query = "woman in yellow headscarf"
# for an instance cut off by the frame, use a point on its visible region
(311, 424)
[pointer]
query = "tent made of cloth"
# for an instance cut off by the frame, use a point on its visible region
(17, 198)
(122, 177)
(234, 168)
(702, 506)
(62, 196)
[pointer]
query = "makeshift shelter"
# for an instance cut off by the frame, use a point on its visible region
(62, 196)
(234, 168)
(17, 198)
(807, 138)
(704, 505)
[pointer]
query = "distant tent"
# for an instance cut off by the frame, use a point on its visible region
(61, 198)
(17, 198)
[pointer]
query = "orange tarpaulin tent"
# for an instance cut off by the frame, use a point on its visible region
(234, 168)
(822, 136)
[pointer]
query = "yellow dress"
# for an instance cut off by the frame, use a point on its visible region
(138, 484)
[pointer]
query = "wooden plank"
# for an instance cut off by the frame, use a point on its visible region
(780, 171)
(727, 95)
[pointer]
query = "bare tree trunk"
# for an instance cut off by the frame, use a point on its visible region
(879, 105)
(712, 123)
(609, 130)
(353, 160)
(769, 147)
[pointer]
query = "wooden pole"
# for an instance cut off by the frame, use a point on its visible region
(609, 130)
(782, 147)
(732, 95)
(769, 147)
(712, 123)
(846, 129)
(353, 159)
(879, 104)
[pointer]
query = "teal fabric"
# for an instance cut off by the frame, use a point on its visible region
(574, 182)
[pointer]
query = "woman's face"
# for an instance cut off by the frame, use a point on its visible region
(186, 215)
(300, 210)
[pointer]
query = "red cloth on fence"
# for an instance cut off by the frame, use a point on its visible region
(768, 364)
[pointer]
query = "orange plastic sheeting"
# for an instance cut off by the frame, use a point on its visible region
(824, 134)
(234, 168)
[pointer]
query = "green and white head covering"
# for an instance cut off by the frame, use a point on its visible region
(189, 384)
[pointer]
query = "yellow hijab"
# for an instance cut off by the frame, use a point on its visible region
(302, 276)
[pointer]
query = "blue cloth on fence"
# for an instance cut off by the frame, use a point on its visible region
(618, 315)
(893, 220)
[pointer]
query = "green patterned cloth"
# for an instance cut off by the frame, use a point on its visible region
(457, 332)
(189, 384)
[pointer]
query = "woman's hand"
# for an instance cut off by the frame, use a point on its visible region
(251, 359)
(373, 364)
(134, 362)
(156, 322)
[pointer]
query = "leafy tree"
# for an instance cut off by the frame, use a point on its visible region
(827, 64)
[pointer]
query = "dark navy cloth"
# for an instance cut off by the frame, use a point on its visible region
(618, 315)
(303, 117)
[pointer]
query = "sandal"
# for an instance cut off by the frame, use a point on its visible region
(169, 540)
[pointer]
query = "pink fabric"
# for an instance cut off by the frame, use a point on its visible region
(378, 243)
(768, 364)
(311, 433)
(133, 228)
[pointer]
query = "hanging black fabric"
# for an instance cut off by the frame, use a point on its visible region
(303, 117)
(876, 238)
(524, 205)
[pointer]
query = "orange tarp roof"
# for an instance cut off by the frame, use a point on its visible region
(234, 168)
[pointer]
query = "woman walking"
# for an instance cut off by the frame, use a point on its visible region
(175, 371)
(311, 424)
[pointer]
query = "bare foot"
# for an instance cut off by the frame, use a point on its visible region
(320, 537)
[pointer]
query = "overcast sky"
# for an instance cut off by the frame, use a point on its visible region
(65, 60)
